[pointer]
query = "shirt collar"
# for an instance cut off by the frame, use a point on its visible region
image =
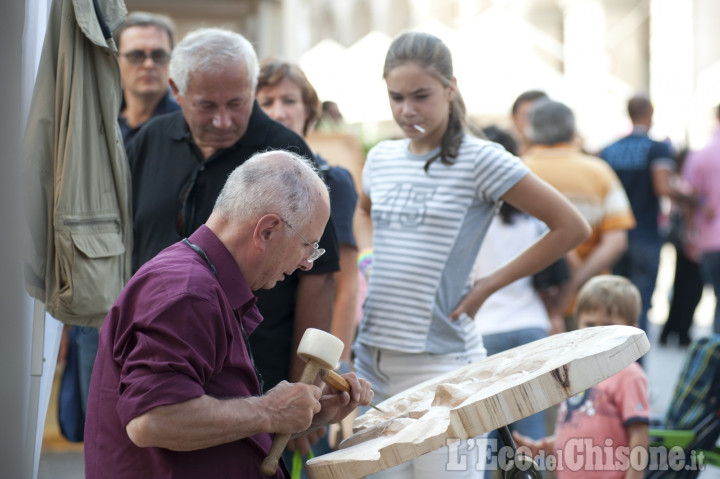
(164, 105)
(257, 129)
(228, 272)
(559, 149)
(178, 128)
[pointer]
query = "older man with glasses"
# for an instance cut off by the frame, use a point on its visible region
(175, 391)
(144, 43)
(179, 163)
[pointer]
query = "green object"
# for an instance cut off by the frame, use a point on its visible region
(692, 423)
(671, 437)
(298, 462)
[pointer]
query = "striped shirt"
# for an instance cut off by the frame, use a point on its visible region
(427, 230)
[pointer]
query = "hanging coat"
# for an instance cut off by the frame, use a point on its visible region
(77, 180)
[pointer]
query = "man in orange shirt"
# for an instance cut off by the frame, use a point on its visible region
(589, 183)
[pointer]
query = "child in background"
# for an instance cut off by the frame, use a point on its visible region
(612, 415)
(518, 313)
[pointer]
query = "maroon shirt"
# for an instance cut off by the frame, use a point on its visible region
(171, 336)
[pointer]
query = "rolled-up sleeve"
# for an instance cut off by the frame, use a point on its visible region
(168, 355)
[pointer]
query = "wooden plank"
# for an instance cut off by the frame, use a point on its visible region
(481, 397)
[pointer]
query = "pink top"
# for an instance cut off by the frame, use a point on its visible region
(591, 436)
(702, 172)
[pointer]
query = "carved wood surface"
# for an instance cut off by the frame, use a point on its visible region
(481, 397)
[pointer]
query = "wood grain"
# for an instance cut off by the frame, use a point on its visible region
(481, 397)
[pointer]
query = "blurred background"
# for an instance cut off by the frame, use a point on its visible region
(590, 54)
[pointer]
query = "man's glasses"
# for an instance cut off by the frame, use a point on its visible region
(316, 250)
(138, 57)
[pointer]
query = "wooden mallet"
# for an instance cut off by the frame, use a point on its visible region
(320, 350)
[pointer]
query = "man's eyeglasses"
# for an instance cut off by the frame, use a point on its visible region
(316, 250)
(138, 57)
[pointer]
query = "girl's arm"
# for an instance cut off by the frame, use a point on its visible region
(567, 229)
(362, 223)
(346, 292)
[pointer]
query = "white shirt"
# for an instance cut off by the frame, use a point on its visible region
(517, 305)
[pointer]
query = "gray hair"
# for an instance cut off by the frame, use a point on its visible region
(551, 122)
(209, 49)
(278, 182)
(146, 19)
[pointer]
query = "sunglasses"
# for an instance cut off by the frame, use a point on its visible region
(138, 57)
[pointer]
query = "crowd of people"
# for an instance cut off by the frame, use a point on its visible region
(469, 242)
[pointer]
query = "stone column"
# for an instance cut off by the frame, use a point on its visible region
(584, 34)
(671, 67)
(585, 65)
(296, 29)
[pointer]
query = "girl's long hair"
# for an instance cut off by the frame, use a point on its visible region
(431, 53)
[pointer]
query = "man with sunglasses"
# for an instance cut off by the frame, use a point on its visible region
(144, 43)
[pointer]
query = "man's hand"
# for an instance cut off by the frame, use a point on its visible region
(291, 406)
(206, 421)
(338, 404)
(64, 345)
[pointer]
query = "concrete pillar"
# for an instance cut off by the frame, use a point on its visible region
(271, 31)
(344, 22)
(584, 34)
(706, 55)
(295, 29)
(585, 65)
(381, 15)
(671, 67)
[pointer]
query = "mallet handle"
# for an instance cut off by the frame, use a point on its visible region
(270, 464)
(333, 379)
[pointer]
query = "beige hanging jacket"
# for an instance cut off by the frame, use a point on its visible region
(76, 173)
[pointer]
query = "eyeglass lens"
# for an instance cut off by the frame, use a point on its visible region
(137, 57)
(316, 250)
